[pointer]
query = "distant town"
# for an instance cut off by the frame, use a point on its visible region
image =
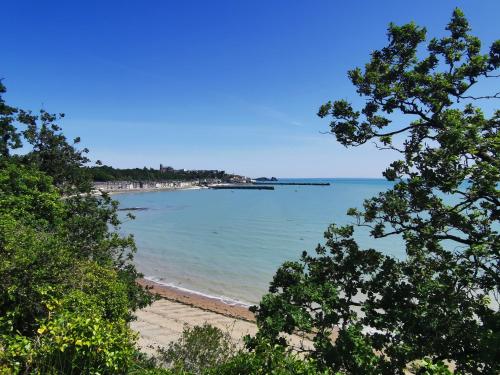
(111, 179)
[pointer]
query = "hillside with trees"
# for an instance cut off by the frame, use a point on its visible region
(107, 173)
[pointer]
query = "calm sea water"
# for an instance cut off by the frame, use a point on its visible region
(228, 244)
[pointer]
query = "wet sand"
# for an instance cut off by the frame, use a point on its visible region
(163, 321)
(199, 301)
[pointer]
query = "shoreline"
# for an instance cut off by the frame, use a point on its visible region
(176, 188)
(198, 300)
(149, 190)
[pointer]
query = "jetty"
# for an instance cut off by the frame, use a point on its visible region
(294, 183)
(241, 187)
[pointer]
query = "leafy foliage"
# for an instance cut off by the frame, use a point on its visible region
(53, 154)
(79, 337)
(198, 348)
(210, 351)
(67, 286)
(9, 137)
(436, 304)
(267, 359)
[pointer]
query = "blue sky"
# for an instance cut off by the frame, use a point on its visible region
(231, 85)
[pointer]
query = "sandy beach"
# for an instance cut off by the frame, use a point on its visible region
(199, 301)
(163, 321)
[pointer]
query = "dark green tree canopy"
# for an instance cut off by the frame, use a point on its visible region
(439, 304)
(9, 137)
(67, 284)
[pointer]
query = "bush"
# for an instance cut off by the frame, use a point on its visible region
(82, 341)
(74, 338)
(198, 348)
(267, 359)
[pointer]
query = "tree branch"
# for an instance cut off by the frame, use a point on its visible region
(496, 96)
(394, 132)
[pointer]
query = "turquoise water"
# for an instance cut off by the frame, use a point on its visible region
(228, 244)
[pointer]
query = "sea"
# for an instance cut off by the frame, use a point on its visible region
(228, 244)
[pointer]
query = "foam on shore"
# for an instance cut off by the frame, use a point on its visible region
(226, 300)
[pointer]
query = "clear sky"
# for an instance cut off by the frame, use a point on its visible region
(231, 85)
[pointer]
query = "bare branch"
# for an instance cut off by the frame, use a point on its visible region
(387, 147)
(394, 132)
(496, 96)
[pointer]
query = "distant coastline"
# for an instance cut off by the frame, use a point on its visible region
(116, 187)
(121, 187)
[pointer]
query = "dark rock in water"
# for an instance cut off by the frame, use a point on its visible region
(133, 209)
(243, 186)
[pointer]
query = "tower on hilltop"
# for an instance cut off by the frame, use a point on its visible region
(165, 169)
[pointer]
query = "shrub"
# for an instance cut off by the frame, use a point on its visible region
(267, 359)
(198, 348)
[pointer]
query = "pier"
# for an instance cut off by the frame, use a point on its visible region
(241, 187)
(294, 183)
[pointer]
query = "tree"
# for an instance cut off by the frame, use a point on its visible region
(267, 359)
(53, 154)
(67, 284)
(9, 137)
(439, 304)
(199, 348)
